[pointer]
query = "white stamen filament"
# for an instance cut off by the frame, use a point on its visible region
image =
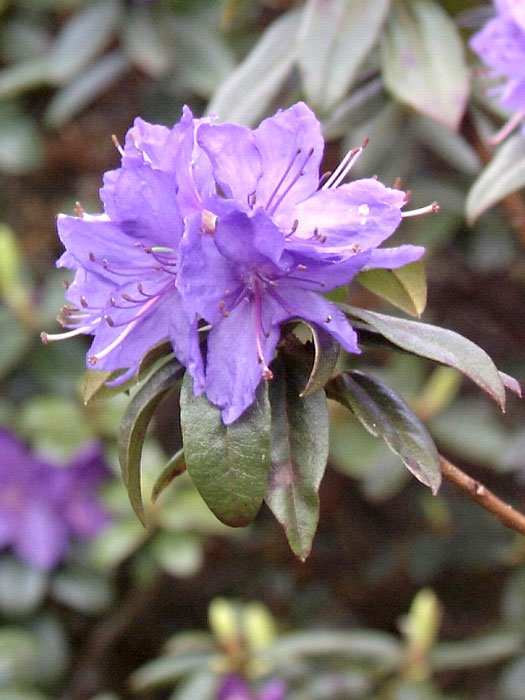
(430, 209)
(344, 167)
(507, 128)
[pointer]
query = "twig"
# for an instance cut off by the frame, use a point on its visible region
(479, 493)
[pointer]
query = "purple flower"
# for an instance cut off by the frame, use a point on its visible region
(43, 506)
(270, 240)
(235, 688)
(124, 292)
(501, 45)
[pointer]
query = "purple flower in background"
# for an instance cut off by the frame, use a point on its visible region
(235, 688)
(271, 240)
(43, 506)
(501, 45)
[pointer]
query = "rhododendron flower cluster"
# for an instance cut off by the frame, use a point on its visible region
(44, 506)
(219, 224)
(501, 45)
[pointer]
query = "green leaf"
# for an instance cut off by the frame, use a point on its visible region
(81, 39)
(228, 463)
(21, 150)
(334, 39)
(325, 359)
(405, 287)
(503, 175)
(22, 587)
(248, 92)
(134, 424)
(384, 413)
(173, 468)
(77, 95)
(167, 670)
(437, 344)
(94, 385)
(145, 42)
(299, 454)
(423, 61)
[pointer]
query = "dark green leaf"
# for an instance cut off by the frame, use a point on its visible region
(134, 424)
(423, 61)
(384, 413)
(334, 39)
(228, 463)
(156, 352)
(173, 468)
(405, 287)
(299, 454)
(94, 385)
(504, 174)
(326, 353)
(437, 344)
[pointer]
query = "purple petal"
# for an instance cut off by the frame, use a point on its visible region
(501, 45)
(85, 516)
(250, 241)
(392, 258)
(273, 690)
(235, 159)
(234, 688)
(145, 142)
(291, 148)
(42, 536)
(514, 9)
(363, 213)
(322, 275)
(185, 340)
(233, 370)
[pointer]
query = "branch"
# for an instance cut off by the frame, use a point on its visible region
(479, 493)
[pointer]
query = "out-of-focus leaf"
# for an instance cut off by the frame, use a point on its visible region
(24, 39)
(19, 650)
(134, 424)
(18, 693)
(166, 670)
(81, 39)
(384, 413)
(489, 649)
(73, 98)
(247, 94)
(228, 463)
(380, 649)
(173, 468)
(334, 39)
(20, 145)
(199, 686)
(19, 77)
(504, 174)
(325, 359)
(512, 681)
(179, 554)
(117, 542)
(405, 287)
(299, 454)
(82, 590)
(22, 587)
(423, 61)
(437, 344)
(14, 288)
(14, 341)
(204, 60)
(145, 42)
(450, 146)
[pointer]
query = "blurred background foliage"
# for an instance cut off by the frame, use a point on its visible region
(349, 623)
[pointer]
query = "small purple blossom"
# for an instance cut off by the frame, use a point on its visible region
(234, 687)
(501, 45)
(43, 506)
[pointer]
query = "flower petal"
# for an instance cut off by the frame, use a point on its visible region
(391, 258)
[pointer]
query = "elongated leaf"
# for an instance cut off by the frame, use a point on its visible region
(134, 424)
(437, 344)
(504, 174)
(145, 43)
(228, 464)
(384, 413)
(405, 287)
(423, 61)
(81, 39)
(326, 353)
(246, 95)
(173, 468)
(334, 39)
(299, 454)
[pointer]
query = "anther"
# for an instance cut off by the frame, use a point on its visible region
(44, 338)
(126, 297)
(92, 257)
(105, 263)
(83, 302)
(221, 305)
(66, 283)
(430, 209)
(301, 267)
(267, 374)
(117, 144)
(227, 292)
(252, 199)
(328, 318)
(109, 320)
(397, 183)
(78, 210)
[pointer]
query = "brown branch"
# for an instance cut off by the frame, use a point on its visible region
(479, 493)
